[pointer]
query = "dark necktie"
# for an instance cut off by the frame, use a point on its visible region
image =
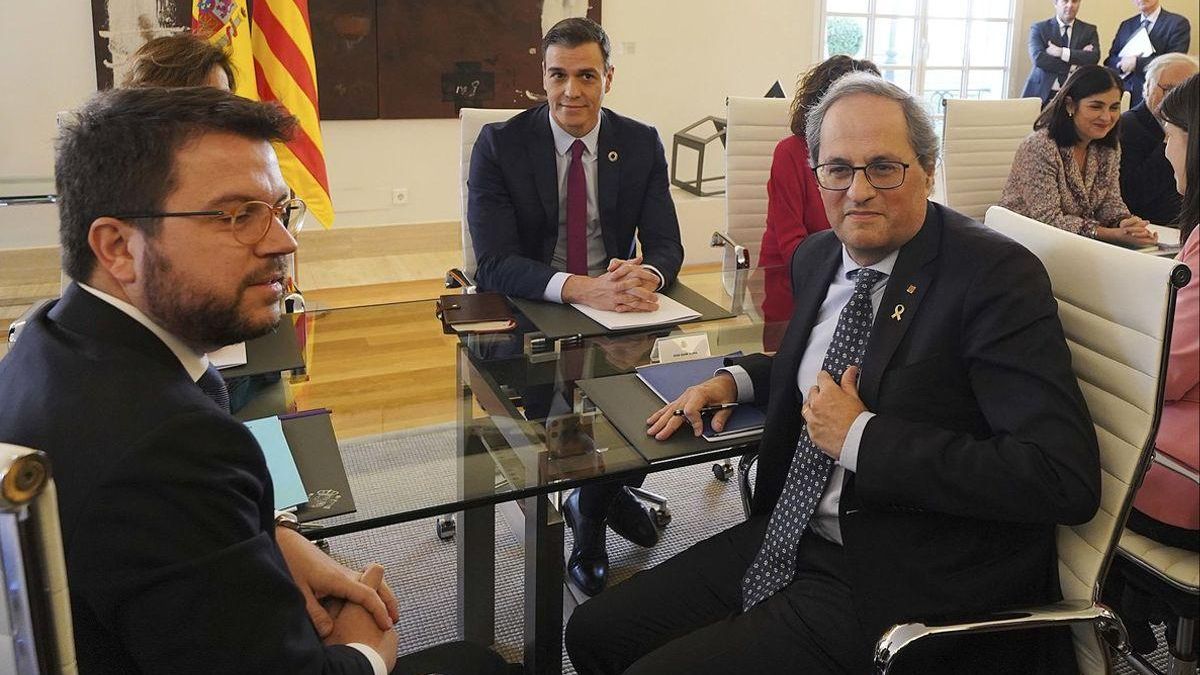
(1066, 40)
(1146, 25)
(213, 386)
(775, 565)
(577, 262)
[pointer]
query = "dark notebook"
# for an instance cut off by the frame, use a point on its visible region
(319, 461)
(669, 380)
(475, 313)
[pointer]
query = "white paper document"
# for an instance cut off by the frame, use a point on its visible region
(1167, 236)
(228, 357)
(669, 312)
(1138, 45)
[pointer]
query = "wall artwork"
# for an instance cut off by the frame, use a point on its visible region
(119, 27)
(389, 59)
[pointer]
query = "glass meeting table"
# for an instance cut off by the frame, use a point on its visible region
(430, 424)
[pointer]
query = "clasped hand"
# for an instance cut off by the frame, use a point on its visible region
(625, 287)
(319, 576)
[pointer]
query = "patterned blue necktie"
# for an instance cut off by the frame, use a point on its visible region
(213, 386)
(775, 565)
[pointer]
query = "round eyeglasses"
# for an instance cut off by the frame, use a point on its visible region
(882, 175)
(249, 222)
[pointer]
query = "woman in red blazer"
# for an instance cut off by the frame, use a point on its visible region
(794, 207)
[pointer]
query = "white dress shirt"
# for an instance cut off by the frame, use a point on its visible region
(196, 363)
(825, 519)
(1152, 17)
(597, 255)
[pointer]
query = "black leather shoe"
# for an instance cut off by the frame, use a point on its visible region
(588, 565)
(628, 518)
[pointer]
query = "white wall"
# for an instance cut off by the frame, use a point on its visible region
(1107, 15)
(676, 61)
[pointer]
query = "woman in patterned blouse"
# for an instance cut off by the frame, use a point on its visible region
(1066, 173)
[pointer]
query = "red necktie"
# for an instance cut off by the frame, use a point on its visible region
(577, 262)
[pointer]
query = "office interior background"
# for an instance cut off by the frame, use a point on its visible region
(676, 62)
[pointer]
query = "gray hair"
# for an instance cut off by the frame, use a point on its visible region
(1163, 62)
(921, 134)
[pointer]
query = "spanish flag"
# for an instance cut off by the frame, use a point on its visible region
(282, 68)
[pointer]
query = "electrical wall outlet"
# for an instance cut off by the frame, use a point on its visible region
(399, 196)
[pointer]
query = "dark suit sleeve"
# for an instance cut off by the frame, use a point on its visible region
(495, 231)
(1083, 57)
(658, 229)
(1041, 462)
(174, 558)
(1042, 59)
(1178, 39)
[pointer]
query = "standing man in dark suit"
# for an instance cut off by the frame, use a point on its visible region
(175, 227)
(1147, 179)
(556, 197)
(1168, 32)
(1057, 46)
(924, 436)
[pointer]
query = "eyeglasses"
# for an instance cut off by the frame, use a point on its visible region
(883, 175)
(249, 222)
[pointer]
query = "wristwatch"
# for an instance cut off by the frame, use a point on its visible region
(287, 519)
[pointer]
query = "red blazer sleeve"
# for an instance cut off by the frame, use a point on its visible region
(794, 208)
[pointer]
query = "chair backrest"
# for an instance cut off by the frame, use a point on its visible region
(471, 121)
(1118, 328)
(35, 615)
(756, 125)
(979, 140)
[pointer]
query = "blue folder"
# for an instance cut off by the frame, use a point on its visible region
(669, 380)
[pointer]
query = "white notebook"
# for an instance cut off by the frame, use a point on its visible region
(669, 312)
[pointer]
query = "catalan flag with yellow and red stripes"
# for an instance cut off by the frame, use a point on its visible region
(282, 69)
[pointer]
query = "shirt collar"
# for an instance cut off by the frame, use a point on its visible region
(1062, 25)
(563, 140)
(194, 363)
(883, 266)
(1153, 17)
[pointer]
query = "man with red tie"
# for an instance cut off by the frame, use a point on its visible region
(556, 196)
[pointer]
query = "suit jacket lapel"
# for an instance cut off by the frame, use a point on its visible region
(608, 181)
(899, 306)
(810, 286)
(545, 166)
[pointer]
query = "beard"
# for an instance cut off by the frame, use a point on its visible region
(198, 316)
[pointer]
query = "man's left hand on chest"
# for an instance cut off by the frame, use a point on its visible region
(830, 409)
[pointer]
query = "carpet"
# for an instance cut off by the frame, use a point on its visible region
(421, 568)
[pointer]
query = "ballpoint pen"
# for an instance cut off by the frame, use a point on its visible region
(708, 409)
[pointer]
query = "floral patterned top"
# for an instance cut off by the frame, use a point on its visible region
(1045, 184)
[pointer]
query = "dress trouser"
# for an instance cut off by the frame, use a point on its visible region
(684, 616)
(452, 658)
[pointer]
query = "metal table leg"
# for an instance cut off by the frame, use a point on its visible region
(543, 587)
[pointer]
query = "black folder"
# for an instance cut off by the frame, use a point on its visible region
(272, 353)
(626, 401)
(559, 321)
(320, 465)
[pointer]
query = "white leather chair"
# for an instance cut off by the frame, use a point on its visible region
(1177, 573)
(35, 614)
(1118, 328)
(471, 121)
(979, 140)
(755, 127)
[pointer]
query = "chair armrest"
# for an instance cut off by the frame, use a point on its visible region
(1166, 462)
(1062, 613)
(18, 324)
(735, 268)
(456, 278)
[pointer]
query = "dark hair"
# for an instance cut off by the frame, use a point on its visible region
(179, 60)
(1181, 107)
(813, 84)
(117, 154)
(575, 31)
(1084, 82)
